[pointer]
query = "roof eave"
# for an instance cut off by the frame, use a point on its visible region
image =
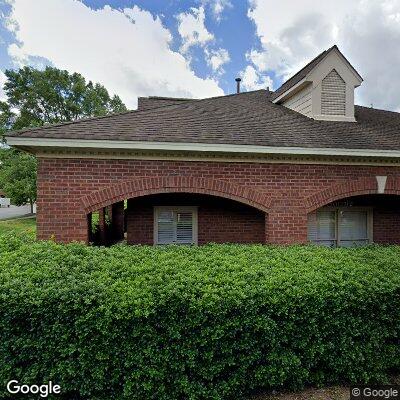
(41, 143)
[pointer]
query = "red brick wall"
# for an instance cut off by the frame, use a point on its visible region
(219, 220)
(230, 224)
(386, 226)
(386, 219)
(140, 223)
(66, 187)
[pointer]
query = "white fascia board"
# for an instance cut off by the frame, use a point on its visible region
(290, 90)
(195, 147)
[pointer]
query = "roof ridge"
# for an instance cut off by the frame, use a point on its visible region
(377, 109)
(59, 124)
(168, 98)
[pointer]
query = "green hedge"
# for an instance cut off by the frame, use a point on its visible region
(212, 322)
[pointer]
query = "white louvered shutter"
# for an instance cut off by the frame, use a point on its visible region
(353, 228)
(322, 228)
(175, 226)
(166, 227)
(184, 227)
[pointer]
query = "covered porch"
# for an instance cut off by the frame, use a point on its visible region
(178, 218)
(197, 219)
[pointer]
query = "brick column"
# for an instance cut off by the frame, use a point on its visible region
(117, 218)
(266, 227)
(102, 226)
(286, 225)
(89, 225)
(140, 221)
(61, 221)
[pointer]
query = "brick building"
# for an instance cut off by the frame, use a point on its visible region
(295, 165)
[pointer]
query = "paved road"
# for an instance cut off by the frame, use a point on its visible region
(15, 212)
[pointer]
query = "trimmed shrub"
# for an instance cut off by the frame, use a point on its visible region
(211, 322)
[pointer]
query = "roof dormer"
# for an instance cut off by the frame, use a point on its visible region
(323, 89)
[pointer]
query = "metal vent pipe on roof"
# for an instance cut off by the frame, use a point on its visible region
(238, 80)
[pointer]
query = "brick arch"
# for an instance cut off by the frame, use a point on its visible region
(358, 187)
(174, 184)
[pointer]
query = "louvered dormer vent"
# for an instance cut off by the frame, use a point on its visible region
(333, 95)
(323, 89)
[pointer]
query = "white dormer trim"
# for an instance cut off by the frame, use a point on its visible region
(334, 118)
(294, 89)
(309, 102)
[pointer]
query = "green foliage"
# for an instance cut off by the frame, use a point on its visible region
(38, 97)
(18, 176)
(212, 322)
(52, 95)
(13, 239)
(95, 221)
(95, 228)
(6, 118)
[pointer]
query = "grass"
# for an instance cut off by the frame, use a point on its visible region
(20, 225)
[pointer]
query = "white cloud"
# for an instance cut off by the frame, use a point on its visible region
(253, 80)
(367, 31)
(218, 7)
(18, 55)
(216, 59)
(126, 50)
(3, 80)
(192, 29)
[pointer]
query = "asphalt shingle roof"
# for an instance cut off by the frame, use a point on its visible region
(149, 103)
(245, 119)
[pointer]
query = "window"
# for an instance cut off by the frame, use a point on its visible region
(340, 227)
(175, 225)
(322, 228)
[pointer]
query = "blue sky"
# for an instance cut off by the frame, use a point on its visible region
(232, 31)
(224, 30)
(196, 48)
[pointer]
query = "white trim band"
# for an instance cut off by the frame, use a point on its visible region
(195, 147)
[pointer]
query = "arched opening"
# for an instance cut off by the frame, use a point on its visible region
(107, 225)
(116, 205)
(178, 218)
(356, 221)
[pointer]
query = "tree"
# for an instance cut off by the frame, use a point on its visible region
(18, 176)
(52, 95)
(6, 118)
(37, 97)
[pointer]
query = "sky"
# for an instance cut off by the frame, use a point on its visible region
(196, 48)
